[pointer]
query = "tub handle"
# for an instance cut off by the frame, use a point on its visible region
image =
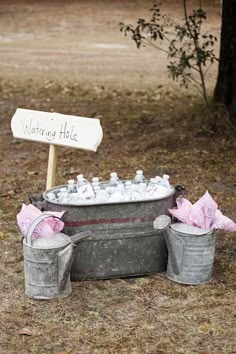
(180, 190)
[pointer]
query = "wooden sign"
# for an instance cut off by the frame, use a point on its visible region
(56, 129)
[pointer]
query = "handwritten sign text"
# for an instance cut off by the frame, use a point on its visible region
(55, 128)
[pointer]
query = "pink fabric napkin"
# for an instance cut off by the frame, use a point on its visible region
(46, 227)
(203, 213)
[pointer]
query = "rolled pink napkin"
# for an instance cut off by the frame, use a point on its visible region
(46, 227)
(204, 214)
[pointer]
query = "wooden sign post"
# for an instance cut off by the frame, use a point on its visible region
(56, 129)
(52, 166)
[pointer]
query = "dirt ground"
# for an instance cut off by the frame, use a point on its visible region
(70, 57)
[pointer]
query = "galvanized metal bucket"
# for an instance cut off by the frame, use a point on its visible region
(47, 263)
(191, 251)
(124, 242)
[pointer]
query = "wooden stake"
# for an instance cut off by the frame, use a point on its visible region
(52, 166)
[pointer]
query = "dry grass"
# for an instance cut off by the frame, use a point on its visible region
(156, 131)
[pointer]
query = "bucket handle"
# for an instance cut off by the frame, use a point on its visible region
(34, 224)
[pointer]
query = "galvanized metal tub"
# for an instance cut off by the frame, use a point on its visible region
(191, 254)
(123, 241)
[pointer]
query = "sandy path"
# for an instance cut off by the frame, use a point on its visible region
(81, 40)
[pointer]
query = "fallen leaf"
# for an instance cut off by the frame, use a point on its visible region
(11, 192)
(26, 332)
(32, 173)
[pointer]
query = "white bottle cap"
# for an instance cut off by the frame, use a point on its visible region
(79, 177)
(95, 179)
(114, 174)
(71, 181)
(139, 172)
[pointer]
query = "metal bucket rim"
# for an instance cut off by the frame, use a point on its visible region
(171, 193)
(188, 234)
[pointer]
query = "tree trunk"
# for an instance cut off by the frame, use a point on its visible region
(225, 91)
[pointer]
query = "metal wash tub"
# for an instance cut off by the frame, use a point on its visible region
(123, 241)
